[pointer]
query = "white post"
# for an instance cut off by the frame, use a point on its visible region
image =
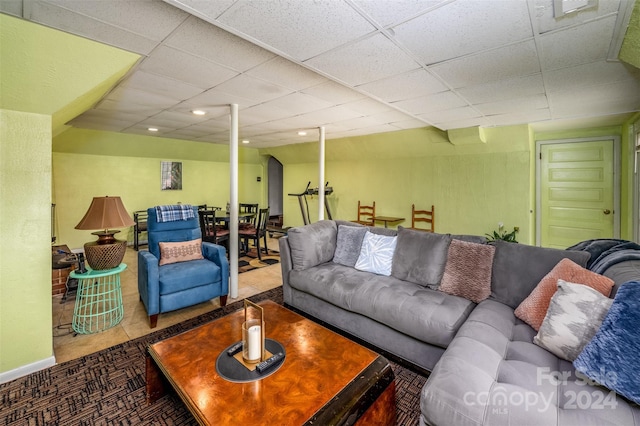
(233, 203)
(321, 175)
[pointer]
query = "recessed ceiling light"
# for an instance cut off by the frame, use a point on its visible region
(245, 141)
(198, 112)
(302, 133)
(152, 129)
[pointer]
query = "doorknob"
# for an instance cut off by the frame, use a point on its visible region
(606, 211)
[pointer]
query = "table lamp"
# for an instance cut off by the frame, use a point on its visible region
(105, 213)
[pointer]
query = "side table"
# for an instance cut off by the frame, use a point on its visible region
(98, 300)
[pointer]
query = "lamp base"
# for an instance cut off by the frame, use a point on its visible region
(105, 256)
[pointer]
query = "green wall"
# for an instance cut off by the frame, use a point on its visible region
(25, 256)
(473, 187)
(108, 163)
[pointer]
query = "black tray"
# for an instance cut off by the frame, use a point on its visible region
(232, 370)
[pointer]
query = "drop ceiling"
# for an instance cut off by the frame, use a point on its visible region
(355, 67)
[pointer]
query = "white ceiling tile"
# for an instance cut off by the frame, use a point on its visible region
(589, 75)
(622, 96)
(410, 124)
(404, 86)
(333, 92)
(367, 106)
(367, 60)
(11, 7)
(203, 8)
(522, 105)
(333, 114)
(401, 10)
(150, 19)
(178, 119)
(252, 88)
(503, 89)
(356, 123)
(286, 74)
(261, 113)
(84, 26)
(547, 21)
(391, 116)
(517, 118)
(139, 97)
(463, 123)
(300, 29)
(208, 41)
(300, 103)
(577, 45)
(454, 114)
(506, 62)
(161, 85)
(453, 30)
(186, 67)
(214, 99)
(435, 102)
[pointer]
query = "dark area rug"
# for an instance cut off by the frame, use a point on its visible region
(108, 387)
(249, 261)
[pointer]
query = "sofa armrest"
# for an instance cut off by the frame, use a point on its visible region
(148, 281)
(218, 255)
(286, 266)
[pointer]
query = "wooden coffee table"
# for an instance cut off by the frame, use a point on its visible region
(325, 379)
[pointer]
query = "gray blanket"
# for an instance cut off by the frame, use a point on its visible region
(607, 252)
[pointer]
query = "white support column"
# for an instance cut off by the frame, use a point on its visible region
(321, 175)
(233, 203)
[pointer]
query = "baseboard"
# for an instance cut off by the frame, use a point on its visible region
(21, 371)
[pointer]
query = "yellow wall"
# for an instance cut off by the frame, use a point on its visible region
(472, 187)
(115, 164)
(25, 254)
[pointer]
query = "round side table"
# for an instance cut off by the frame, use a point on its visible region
(98, 300)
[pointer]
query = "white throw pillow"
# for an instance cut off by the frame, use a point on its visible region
(376, 253)
(574, 316)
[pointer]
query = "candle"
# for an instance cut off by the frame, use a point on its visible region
(253, 342)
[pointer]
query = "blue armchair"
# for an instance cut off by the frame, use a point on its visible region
(178, 285)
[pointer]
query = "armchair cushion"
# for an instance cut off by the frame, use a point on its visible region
(180, 276)
(182, 251)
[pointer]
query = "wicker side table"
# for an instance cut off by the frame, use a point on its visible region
(98, 300)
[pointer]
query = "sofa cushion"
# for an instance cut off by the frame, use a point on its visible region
(533, 309)
(182, 251)
(312, 244)
(518, 268)
(427, 315)
(611, 357)
(575, 314)
(376, 254)
(420, 257)
(493, 374)
(348, 244)
(468, 270)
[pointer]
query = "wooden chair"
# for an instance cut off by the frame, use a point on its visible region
(140, 218)
(424, 216)
(211, 232)
(366, 214)
(248, 222)
(256, 232)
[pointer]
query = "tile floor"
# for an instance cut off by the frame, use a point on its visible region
(67, 345)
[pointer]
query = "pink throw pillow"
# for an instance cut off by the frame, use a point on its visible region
(182, 251)
(533, 309)
(468, 270)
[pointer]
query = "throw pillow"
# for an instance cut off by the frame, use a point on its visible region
(421, 257)
(611, 357)
(468, 270)
(376, 253)
(575, 314)
(518, 268)
(348, 244)
(312, 244)
(533, 309)
(180, 252)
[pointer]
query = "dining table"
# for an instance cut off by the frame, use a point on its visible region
(388, 219)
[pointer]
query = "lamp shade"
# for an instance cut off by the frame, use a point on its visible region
(105, 213)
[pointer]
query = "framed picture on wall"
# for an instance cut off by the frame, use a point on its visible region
(170, 175)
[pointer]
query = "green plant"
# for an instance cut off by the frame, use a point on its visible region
(503, 235)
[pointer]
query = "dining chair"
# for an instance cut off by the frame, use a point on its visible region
(423, 216)
(248, 221)
(257, 232)
(211, 231)
(366, 214)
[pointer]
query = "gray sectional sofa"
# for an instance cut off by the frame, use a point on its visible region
(485, 368)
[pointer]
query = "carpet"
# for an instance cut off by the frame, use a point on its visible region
(108, 387)
(249, 261)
